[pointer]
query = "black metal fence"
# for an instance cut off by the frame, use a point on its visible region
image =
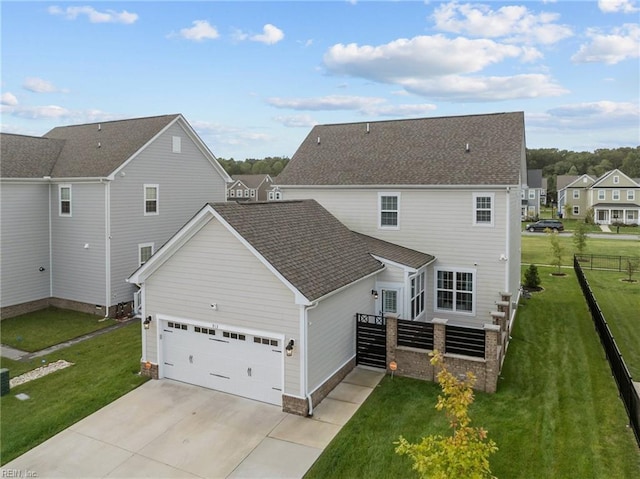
(606, 262)
(371, 340)
(415, 334)
(628, 393)
(467, 341)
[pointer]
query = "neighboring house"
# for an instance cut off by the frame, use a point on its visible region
(249, 188)
(449, 187)
(534, 194)
(242, 282)
(614, 198)
(84, 205)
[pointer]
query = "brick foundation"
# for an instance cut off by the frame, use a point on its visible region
(149, 370)
(116, 311)
(24, 308)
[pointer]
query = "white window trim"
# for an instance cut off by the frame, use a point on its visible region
(253, 193)
(532, 194)
(176, 144)
(232, 193)
(475, 209)
(380, 211)
(576, 210)
(144, 245)
(576, 194)
(615, 195)
(144, 204)
(631, 195)
(421, 273)
(246, 193)
(271, 196)
(616, 179)
(602, 195)
(278, 195)
(60, 213)
(473, 291)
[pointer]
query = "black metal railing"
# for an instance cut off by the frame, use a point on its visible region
(466, 341)
(415, 334)
(605, 262)
(628, 393)
(371, 340)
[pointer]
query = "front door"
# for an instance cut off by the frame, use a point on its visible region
(390, 301)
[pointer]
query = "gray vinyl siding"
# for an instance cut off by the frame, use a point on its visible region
(78, 273)
(186, 181)
(214, 267)
(24, 240)
(438, 222)
(331, 330)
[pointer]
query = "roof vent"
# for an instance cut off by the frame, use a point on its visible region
(467, 148)
(99, 127)
(99, 145)
(367, 127)
(318, 140)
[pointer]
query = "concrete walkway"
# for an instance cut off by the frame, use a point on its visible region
(19, 355)
(168, 429)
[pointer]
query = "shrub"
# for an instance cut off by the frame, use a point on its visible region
(531, 277)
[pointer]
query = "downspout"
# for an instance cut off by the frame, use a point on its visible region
(107, 245)
(508, 239)
(50, 244)
(305, 330)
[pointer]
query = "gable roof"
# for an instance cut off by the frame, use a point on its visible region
(582, 181)
(250, 181)
(27, 156)
(98, 149)
(311, 251)
(396, 253)
(610, 173)
(427, 151)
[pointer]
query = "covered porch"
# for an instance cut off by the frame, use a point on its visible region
(608, 214)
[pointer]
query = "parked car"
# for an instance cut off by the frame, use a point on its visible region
(553, 225)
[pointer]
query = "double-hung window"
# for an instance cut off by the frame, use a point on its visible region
(601, 195)
(417, 294)
(65, 200)
(615, 195)
(145, 250)
(389, 210)
(455, 291)
(483, 209)
(532, 194)
(151, 200)
(631, 195)
(576, 194)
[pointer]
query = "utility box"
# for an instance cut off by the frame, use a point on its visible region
(4, 382)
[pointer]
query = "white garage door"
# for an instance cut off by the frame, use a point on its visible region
(228, 361)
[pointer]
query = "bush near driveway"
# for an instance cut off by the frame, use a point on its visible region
(105, 368)
(556, 414)
(41, 329)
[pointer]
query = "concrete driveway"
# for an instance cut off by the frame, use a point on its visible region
(168, 429)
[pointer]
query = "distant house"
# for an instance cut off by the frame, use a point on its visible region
(534, 194)
(614, 197)
(249, 188)
(85, 205)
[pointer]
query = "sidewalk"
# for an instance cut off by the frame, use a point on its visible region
(18, 355)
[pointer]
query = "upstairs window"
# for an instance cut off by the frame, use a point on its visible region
(631, 195)
(389, 210)
(145, 250)
(483, 209)
(532, 194)
(601, 195)
(232, 193)
(576, 194)
(176, 144)
(150, 199)
(616, 179)
(65, 200)
(246, 193)
(454, 291)
(615, 195)
(253, 193)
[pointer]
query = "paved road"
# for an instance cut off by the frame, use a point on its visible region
(612, 236)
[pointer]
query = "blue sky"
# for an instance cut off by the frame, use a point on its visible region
(252, 78)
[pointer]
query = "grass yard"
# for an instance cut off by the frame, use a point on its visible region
(536, 248)
(41, 329)
(620, 303)
(556, 414)
(105, 368)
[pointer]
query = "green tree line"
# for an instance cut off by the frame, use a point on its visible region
(271, 165)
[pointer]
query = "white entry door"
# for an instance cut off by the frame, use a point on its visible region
(229, 361)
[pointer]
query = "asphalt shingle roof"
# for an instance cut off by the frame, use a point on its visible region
(314, 251)
(250, 181)
(27, 156)
(427, 151)
(393, 252)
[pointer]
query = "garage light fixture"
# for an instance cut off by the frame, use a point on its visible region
(374, 293)
(147, 322)
(289, 348)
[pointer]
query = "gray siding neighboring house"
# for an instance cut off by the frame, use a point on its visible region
(449, 187)
(98, 192)
(249, 188)
(534, 194)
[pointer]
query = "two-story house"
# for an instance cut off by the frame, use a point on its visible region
(613, 197)
(412, 221)
(534, 194)
(249, 188)
(85, 205)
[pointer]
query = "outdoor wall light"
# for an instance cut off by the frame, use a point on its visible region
(374, 293)
(147, 322)
(289, 348)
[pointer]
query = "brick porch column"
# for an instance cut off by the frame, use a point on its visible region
(498, 319)
(492, 361)
(439, 334)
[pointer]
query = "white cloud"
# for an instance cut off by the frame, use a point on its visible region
(8, 99)
(222, 134)
(371, 106)
(201, 30)
(296, 121)
(622, 44)
(94, 16)
(38, 85)
(269, 36)
(617, 6)
(56, 112)
(513, 23)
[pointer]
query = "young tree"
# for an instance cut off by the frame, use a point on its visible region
(580, 237)
(531, 277)
(466, 453)
(557, 250)
(631, 267)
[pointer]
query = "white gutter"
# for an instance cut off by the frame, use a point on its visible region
(107, 245)
(305, 369)
(50, 245)
(341, 288)
(508, 240)
(397, 187)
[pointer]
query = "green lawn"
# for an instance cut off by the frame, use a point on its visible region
(620, 303)
(536, 248)
(105, 368)
(556, 414)
(41, 329)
